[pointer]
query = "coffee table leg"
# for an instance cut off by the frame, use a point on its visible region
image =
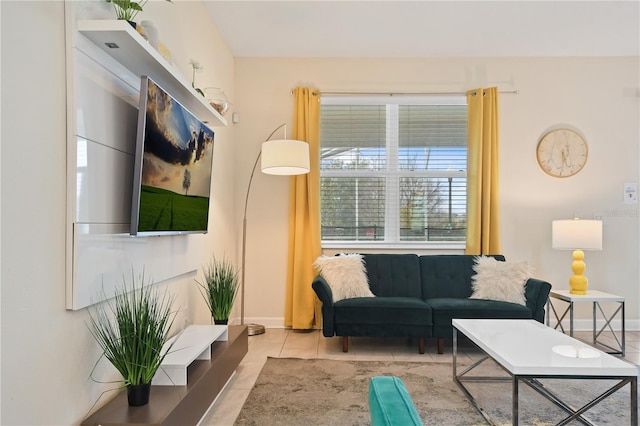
(514, 401)
(571, 319)
(594, 322)
(634, 401)
(623, 333)
(455, 351)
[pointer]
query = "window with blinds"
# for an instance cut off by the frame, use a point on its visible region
(393, 173)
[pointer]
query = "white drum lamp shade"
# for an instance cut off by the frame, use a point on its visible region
(285, 157)
(577, 235)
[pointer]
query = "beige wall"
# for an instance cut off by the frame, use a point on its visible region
(599, 96)
(47, 352)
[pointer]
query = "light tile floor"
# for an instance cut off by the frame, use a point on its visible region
(281, 343)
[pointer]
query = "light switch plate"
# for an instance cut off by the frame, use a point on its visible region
(631, 193)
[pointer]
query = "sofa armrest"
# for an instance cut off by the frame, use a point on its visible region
(537, 293)
(323, 291)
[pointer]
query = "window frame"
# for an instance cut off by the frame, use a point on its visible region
(393, 174)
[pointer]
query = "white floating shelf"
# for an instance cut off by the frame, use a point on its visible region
(193, 343)
(122, 42)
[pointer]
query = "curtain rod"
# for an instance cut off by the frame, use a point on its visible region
(347, 93)
(403, 93)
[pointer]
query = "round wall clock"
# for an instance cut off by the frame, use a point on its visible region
(562, 152)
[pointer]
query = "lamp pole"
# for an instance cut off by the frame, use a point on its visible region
(253, 329)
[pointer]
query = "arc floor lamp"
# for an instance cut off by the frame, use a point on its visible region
(284, 157)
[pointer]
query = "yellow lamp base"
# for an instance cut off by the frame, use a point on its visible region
(578, 282)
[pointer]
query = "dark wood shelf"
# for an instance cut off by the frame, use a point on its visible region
(181, 405)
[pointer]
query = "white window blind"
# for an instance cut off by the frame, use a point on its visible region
(393, 172)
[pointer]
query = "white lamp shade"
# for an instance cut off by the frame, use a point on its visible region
(576, 234)
(285, 157)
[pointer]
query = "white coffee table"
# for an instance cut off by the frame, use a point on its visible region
(596, 297)
(529, 350)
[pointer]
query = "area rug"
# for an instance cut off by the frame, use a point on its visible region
(309, 392)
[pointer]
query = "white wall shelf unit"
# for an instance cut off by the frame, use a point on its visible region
(122, 42)
(194, 343)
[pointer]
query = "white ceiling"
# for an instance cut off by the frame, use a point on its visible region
(428, 28)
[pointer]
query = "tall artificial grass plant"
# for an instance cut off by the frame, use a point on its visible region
(132, 328)
(220, 288)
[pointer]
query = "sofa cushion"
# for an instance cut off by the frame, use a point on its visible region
(383, 310)
(447, 275)
(345, 275)
(496, 280)
(393, 274)
(445, 309)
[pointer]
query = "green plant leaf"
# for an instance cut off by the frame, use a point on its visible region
(128, 9)
(132, 328)
(220, 287)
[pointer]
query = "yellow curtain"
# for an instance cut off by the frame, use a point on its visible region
(302, 307)
(483, 231)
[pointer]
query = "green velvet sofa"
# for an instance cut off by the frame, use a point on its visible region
(417, 297)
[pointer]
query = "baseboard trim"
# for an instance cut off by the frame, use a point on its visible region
(581, 324)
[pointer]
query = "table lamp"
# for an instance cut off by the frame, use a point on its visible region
(577, 235)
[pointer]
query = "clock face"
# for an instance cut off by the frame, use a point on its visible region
(562, 152)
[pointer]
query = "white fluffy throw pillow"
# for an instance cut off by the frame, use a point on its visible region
(496, 280)
(345, 274)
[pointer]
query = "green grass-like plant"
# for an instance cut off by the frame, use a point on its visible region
(220, 287)
(132, 328)
(128, 9)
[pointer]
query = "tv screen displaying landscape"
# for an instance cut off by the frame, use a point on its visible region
(173, 166)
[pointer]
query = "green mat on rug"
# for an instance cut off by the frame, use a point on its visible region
(307, 392)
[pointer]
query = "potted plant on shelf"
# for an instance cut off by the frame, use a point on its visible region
(128, 9)
(219, 289)
(131, 330)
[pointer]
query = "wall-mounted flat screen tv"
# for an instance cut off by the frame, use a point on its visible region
(173, 167)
